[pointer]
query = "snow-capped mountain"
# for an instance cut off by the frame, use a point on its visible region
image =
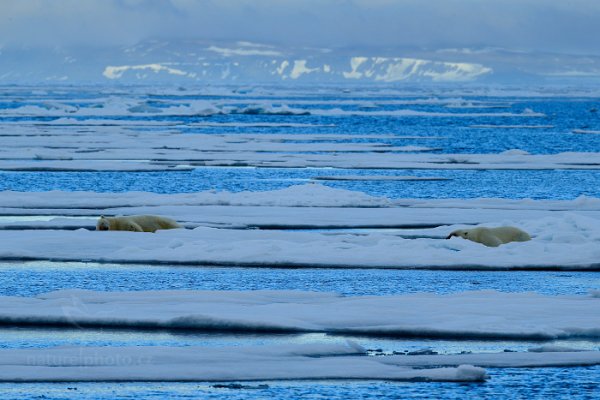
(160, 61)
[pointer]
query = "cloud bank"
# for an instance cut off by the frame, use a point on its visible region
(526, 25)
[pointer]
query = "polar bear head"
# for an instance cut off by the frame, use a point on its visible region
(103, 224)
(463, 233)
(481, 235)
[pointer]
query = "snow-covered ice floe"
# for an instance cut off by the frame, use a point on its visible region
(281, 362)
(566, 242)
(115, 107)
(310, 361)
(378, 178)
(305, 195)
(438, 221)
(476, 314)
(565, 233)
(90, 165)
(530, 359)
(290, 155)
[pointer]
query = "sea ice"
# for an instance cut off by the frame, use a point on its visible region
(477, 314)
(155, 363)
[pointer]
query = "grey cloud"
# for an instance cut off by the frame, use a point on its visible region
(529, 25)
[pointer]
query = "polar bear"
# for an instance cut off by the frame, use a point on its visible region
(136, 223)
(492, 237)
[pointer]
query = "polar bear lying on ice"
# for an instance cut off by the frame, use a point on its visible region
(136, 223)
(492, 237)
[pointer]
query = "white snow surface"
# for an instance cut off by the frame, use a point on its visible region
(475, 314)
(378, 178)
(308, 361)
(305, 195)
(126, 364)
(568, 242)
(565, 233)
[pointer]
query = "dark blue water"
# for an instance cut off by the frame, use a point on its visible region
(558, 184)
(42, 277)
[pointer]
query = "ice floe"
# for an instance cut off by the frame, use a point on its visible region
(114, 146)
(306, 195)
(89, 165)
(278, 362)
(568, 241)
(242, 152)
(559, 358)
(565, 233)
(119, 107)
(379, 178)
(155, 363)
(477, 314)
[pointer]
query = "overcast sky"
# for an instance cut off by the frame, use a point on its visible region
(566, 26)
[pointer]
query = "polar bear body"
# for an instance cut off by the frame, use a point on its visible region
(492, 237)
(136, 223)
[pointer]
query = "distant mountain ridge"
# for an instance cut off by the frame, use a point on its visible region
(161, 61)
